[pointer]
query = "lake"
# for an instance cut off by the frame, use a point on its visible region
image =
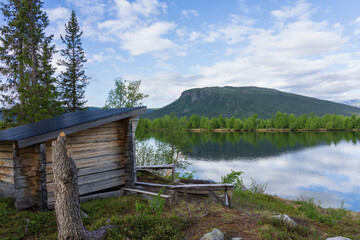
(320, 165)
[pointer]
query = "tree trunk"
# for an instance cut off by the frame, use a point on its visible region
(67, 206)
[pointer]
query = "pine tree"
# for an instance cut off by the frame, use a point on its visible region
(25, 55)
(73, 80)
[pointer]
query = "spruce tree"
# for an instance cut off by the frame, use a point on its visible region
(73, 80)
(25, 55)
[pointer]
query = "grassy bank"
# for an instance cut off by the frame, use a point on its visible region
(250, 218)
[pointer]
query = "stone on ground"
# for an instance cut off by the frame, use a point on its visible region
(215, 234)
(286, 219)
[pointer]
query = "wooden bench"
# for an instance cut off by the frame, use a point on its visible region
(227, 188)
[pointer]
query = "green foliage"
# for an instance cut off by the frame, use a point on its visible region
(280, 121)
(28, 93)
(245, 101)
(73, 80)
(41, 225)
(257, 188)
(315, 212)
(262, 202)
(147, 227)
(154, 205)
(233, 177)
(125, 94)
(272, 228)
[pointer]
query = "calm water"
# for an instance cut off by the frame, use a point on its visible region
(323, 166)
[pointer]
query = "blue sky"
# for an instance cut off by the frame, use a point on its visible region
(305, 47)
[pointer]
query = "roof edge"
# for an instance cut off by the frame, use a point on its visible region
(77, 128)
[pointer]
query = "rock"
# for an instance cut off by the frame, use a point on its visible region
(286, 219)
(236, 238)
(338, 238)
(146, 197)
(139, 187)
(215, 234)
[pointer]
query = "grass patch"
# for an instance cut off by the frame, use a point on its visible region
(147, 227)
(253, 201)
(314, 211)
(41, 225)
(272, 228)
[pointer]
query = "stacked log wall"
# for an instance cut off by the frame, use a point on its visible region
(27, 176)
(6, 170)
(99, 155)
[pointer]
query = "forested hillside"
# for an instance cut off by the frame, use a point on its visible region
(246, 101)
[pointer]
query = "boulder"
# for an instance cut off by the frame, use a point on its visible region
(286, 219)
(215, 234)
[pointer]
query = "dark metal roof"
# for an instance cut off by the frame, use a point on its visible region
(62, 122)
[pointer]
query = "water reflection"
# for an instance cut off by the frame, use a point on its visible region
(324, 166)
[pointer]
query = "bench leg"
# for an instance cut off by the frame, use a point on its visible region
(171, 201)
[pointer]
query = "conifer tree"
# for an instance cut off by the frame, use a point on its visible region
(73, 80)
(25, 55)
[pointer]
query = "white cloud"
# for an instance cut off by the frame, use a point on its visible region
(137, 29)
(235, 31)
(108, 54)
(58, 17)
(302, 56)
(145, 8)
(189, 13)
(148, 39)
(301, 10)
(58, 13)
(357, 23)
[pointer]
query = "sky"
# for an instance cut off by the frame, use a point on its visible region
(305, 47)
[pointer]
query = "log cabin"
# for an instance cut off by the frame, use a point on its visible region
(101, 142)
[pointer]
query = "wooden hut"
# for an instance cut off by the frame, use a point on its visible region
(101, 142)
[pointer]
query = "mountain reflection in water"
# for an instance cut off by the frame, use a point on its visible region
(319, 165)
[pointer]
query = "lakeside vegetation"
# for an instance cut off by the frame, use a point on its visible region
(279, 121)
(250, 217)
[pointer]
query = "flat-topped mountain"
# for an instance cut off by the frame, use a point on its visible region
(245, 101)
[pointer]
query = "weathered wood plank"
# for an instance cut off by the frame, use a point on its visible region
(26, 182)
(91, 146)
(99, 168)
(99, 131)
(6, 162)
(24, 193)
(203, 187)
(155, 167)
(6, 155)
(102, 185)
(144, 192)
(93, 178)
(93, 139)
(7, 147)
(96, 153)
(116, 193)
(7, 170)
(6, 189)
(94, 187)
(8, 178)
(92, 162)
(23, 203)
